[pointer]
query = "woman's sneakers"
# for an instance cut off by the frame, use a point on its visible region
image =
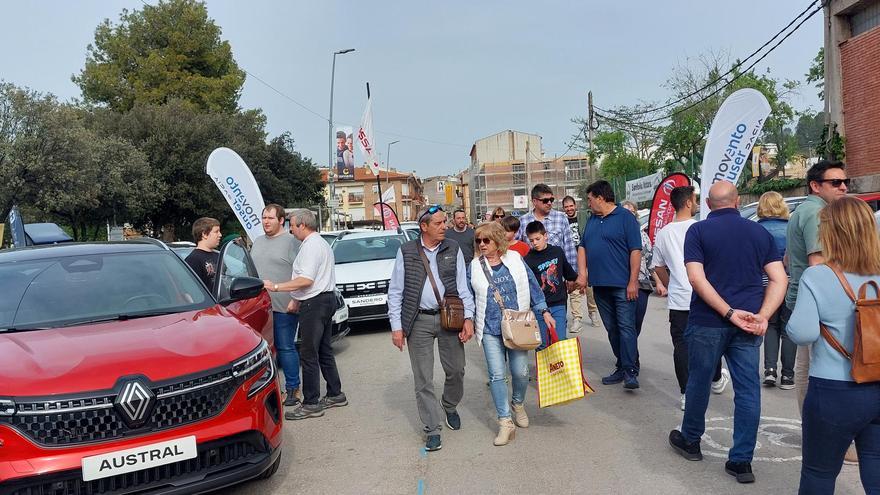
(769, 377)
(719, 386)
(742, 471)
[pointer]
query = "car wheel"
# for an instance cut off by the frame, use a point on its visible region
(272, 469)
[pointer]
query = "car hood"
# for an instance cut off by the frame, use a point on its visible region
(93, 357)
(364, 271)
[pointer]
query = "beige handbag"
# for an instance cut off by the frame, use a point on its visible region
(519, 330)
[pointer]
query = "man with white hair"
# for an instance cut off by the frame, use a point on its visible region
(312, 290)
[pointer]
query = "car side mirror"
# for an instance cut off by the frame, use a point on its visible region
(243, 288)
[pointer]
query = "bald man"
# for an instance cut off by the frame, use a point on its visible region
(725, 256)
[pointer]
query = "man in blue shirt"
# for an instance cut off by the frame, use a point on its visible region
(612, 246)
(726, 256)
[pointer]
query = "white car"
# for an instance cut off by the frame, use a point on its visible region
(364, 261)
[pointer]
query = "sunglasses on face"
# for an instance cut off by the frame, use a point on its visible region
(835, 182)
(483, 240)
(431, 211)
(547, 201)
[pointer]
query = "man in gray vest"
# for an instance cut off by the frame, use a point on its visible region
(415, 320)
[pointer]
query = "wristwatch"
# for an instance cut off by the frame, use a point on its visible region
(729, 314)
(275, 288)
(544, 311)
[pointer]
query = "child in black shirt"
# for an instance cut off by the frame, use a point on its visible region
(552, 269)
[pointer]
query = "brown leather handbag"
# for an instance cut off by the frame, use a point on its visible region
(519, 330)
(865, 357)
(451, 307)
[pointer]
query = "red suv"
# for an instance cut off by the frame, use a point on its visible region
(121, 372)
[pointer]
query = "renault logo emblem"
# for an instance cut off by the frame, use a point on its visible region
(135, 403)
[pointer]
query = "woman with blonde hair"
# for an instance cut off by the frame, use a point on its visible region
(500, 269)
(837, 410)
(773, 215)
(498, 214)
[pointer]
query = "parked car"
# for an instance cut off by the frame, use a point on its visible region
(340, 318)
(750, 210)
(123, 373)
(364, 261)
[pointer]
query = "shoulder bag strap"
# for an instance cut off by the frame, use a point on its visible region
(430, 274)
(485, 265)
(826, 334)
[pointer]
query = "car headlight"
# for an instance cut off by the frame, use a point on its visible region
(7, 407)
(257, 362)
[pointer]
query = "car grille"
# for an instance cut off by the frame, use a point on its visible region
(213, 458)
(364, 288)
(73, 420)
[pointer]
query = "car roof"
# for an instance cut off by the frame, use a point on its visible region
(368, 234)
(31, 253)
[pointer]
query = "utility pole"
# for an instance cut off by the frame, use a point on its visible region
(528, 173)
(589, 133)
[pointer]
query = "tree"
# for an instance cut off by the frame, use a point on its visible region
(809, 131)
(57, 168)
(816, 74)
(286, 178)
(168, 51)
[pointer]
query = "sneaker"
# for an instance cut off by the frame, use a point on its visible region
(453, 420)
(336, 401)
(770, 377)
(690, 451)
(433, 443)
(786, 383)
(742, 471)
(719, 386)
(630, 381)
(293, 399)
(613, 378)
(305, 411)
(594, 319)
(682, 402)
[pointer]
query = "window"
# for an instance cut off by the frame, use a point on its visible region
(519, 174)
(865, 20)
(356, 195)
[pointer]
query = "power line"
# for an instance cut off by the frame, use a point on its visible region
(731, 81)
(732, 69)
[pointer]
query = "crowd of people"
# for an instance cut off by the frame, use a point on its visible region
(731, 286)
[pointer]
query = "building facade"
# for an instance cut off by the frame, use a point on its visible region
(505, 166)
(443, 190)
(355, 198)
(852, 85)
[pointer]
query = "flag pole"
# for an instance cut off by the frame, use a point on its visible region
(379, 182)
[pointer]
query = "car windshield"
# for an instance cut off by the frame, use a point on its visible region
(56, 292)
(366, 249)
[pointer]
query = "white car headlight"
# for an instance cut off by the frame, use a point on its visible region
(257, 362)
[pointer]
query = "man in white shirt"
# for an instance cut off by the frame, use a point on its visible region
(312, 292)
(668, 264)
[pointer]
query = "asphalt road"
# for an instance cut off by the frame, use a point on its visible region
(613, 441)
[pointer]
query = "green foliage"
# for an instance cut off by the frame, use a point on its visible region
(831, 145)
(779, 184)
(816, 74)
(810, 131)
(168, 51)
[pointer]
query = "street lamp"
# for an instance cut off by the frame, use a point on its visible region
(330, 132)
(388, 162)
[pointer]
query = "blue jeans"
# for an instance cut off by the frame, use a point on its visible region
(494, 350)
(641, 309)
(836, 413)
(742, 350)
(559, 314)
(619, 317)
(284, 326)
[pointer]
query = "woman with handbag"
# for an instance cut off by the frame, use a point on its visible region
(840, 405)
(501, 275)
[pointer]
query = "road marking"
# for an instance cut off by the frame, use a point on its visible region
(421, 487)
(778, 438)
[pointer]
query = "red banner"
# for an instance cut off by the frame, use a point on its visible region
(662, 211)
(389, 218)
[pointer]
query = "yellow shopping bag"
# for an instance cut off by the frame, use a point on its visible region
(560, 373)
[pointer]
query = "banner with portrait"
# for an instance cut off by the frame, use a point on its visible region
(344, 154)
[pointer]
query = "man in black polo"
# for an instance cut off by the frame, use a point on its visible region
(725, 256)
(415, 320)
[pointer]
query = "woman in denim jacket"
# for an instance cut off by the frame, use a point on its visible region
(773, 215)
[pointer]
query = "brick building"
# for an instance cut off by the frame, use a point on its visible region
(852, 85)
(356, 197)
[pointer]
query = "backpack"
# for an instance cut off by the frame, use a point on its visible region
(865, 357)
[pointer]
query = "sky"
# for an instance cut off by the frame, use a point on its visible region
(442, 74)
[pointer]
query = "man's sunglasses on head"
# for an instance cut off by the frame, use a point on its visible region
(431, 211)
